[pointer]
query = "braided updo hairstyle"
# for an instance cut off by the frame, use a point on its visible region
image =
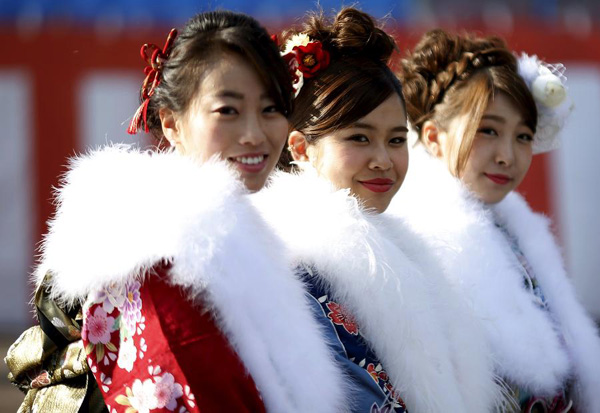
(203, 39)
(448, 76)
(357, 80)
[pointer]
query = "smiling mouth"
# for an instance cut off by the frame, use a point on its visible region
(498, 179)
(378, 185)
(250, 163)
(250, 160)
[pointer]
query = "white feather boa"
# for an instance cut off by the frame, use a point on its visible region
(121, 211)
(427, 340)
(479, 262)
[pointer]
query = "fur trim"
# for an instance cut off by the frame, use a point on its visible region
(121, 211)
(478, 261)
(403, 312)
(579, 331)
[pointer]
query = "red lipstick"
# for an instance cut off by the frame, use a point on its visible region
(378, 184)
(499, 178)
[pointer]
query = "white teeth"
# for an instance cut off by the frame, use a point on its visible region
(252, 160)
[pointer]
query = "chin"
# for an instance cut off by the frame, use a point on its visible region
(254, 185)
(493, 198)
(377, 207)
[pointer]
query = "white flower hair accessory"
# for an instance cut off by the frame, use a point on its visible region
(547, 85)
(305, 57)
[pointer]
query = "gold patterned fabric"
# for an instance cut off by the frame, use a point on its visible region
(48, 362)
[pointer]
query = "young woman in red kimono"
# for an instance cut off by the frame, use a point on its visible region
(157, 278)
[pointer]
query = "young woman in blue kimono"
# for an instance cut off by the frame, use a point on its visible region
(404, 340)
(480, 114)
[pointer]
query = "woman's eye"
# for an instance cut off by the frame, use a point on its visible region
(487, 131)
(227, 110)
(400, 140)
(358, 138)
(272, 109)
(525, 137)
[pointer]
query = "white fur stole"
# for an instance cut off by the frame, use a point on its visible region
(121, 211)
(577, 328)
(427, 341)
(479, 262)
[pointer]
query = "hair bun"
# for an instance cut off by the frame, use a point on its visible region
(352, 33)
(355, 32)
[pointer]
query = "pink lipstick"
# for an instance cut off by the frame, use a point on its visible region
(378, 184)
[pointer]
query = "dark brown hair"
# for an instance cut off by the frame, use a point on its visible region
(449, 75)
(357, 80)
(203, 39)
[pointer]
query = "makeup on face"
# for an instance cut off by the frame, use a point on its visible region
(378, 185)
(369, 157)
(233, 117)
(501, 152)
(499, 179)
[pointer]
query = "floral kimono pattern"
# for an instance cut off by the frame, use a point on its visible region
(152, 349)
(374, 392)
(116, 344)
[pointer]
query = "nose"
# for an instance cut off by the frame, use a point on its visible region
(381, 159)
(505, 151)
(254, 132)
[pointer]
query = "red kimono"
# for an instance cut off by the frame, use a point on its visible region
(226, 317)
(151, 349)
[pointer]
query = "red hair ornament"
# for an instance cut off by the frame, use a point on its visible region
(155, 58)
(305, 58)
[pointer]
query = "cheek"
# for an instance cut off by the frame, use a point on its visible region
(470, 172)
(212, 138)
(337, 164)
(401, 162)
(346, 164)
(480, 153)
(277, 132)
(478, 160)
(525, 156)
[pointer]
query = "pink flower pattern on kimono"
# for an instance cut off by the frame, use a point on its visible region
(131, 312)
(167, 391)
(100, 332)
(120, 340)
(98, 326)
(156, 392)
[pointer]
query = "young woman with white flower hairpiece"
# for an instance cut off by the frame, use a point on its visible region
(480, 114)
(158, 280)
(404, 339)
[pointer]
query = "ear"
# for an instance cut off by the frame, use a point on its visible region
(430, 136)
(298, 145)
(170, 126)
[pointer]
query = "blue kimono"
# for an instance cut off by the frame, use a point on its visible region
(372, 392)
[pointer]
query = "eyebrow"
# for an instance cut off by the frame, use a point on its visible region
(237, 95)
(230, 94)
(497, 118)
(362, 125)
(501, 119)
